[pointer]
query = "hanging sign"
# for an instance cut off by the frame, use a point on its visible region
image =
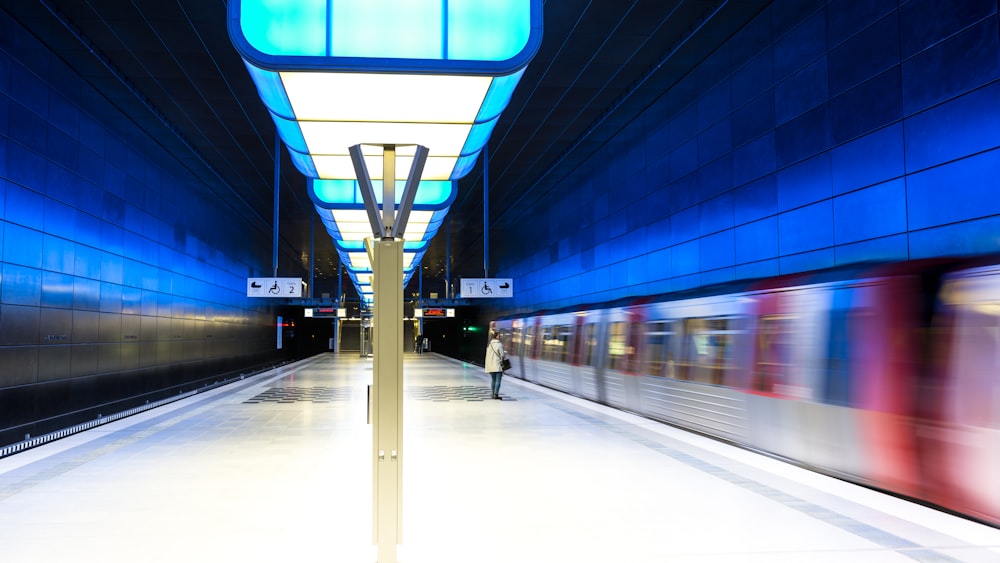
(439, 312)
(274, 287)
(480, 288)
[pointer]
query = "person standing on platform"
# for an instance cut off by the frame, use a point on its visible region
(495, 354)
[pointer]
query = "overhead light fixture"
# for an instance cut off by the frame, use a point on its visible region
(336, 74)
(341, 208)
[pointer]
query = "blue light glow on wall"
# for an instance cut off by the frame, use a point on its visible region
(118, 284)
(810, 139)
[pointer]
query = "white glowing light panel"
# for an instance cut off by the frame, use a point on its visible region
(338, 73)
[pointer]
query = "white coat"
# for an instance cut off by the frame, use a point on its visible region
(494, 352)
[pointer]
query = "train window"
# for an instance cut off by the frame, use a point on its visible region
(773, 353)
(976, 341)
(659, 361)
(545, 336)
(620, 353)
(515, 341)
(567, 337)
(555, 343)
(708, 347)
(837, 378)
(505, 339)
(546, 342)
(589, 344)
(529, 342)
(616, 346)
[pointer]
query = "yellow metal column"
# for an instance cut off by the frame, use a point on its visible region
(387, 397)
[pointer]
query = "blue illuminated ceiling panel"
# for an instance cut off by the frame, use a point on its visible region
(460, 37)
(342, 210)
(339, 73)
(437, 73)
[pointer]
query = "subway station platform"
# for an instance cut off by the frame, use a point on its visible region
(277, 467)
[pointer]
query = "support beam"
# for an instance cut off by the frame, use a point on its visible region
(339, 301)
(392, 223)
(367, 191)
(486, 212)
(420, 298)
(387, 397)
(277, 201)
(447, 261)
(410, 191)
(312, 254)
(389, 190)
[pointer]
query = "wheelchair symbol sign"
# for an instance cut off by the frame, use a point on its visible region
(485, 288)
(274, 287)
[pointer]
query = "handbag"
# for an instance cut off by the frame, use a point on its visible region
(504, 361)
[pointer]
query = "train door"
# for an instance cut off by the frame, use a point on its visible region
(772, 420)
(588, 367)
(532, 347)
(552, 364)
(658, 364)
(885, 384)
(962, 414)
(634, 347)
(620, 357)
(517, 347)
(576, 351)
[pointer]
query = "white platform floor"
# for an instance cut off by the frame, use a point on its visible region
(276, 468)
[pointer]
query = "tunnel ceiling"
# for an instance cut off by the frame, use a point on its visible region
(171, 68)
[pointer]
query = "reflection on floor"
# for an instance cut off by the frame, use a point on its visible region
(278, 468)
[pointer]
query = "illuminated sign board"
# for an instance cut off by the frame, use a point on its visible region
(325, 312)
(434, 312)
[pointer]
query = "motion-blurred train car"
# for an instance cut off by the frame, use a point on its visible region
(960, 423)
(886, 374)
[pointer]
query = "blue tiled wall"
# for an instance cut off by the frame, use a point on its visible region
(823, 133)
(118, 280)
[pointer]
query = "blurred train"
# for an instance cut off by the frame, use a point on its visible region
(887, 375)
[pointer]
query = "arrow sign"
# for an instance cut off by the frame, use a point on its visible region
(486, 288)
(274, 287)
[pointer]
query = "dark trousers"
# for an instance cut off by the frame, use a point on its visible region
(496, 377)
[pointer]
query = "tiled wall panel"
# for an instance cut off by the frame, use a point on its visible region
(873, 212)
(117, 284)
(868, 160)
(825, 132)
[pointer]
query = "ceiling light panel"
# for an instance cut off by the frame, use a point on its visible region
(340, 73)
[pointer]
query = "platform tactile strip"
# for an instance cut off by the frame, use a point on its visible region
(302, 394)
(452, 393)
